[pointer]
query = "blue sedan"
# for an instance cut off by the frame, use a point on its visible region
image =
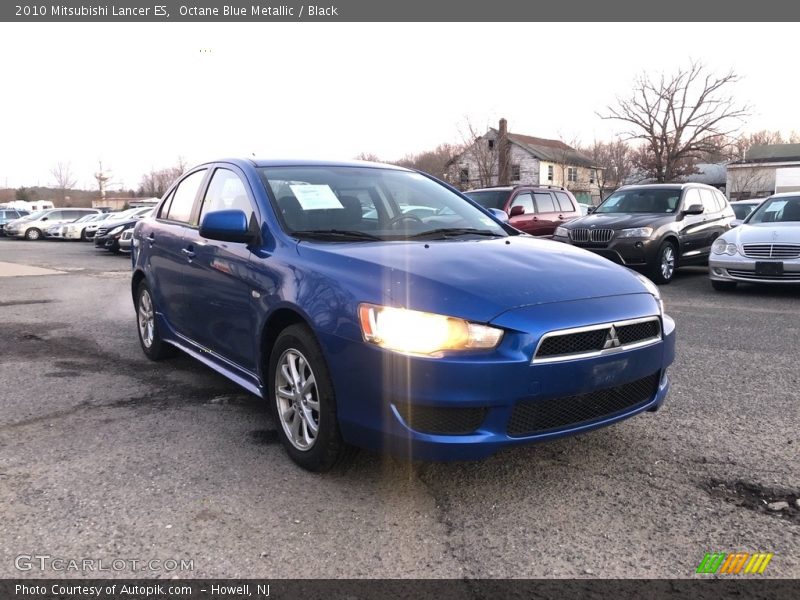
(443, 335)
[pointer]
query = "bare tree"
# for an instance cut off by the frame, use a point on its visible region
(678, 117)
(434, 162)
(480, 151)
(747, 182)
(62, 173)
(367, 156)
(155, 183)
(613, 160)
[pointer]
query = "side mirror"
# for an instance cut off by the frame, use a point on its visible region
(517, 210)
(44, 218)
(694, 209)
(500, 215)
(226, 226)
(590, 210)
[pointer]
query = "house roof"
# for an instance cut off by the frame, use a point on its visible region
(549, 150)
(772, 153)
(709, 173)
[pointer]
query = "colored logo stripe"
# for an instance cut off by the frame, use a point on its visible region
(733, 563)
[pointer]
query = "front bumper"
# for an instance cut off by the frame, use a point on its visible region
(723, 267)
(631, 252)
(379, 393)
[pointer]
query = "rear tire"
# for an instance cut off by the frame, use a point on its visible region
(153, 345)
(302, 402)
(33, 234)
(663, 270)
(723, 286)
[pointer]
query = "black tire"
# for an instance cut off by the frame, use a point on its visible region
(157, 349)
(33, 234)
(659, 271)
(83, 235)
(328, 448)
(723, 286)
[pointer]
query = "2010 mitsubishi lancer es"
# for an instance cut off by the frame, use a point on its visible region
(373, 306)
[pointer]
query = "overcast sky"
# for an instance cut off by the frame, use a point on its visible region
(137, 96)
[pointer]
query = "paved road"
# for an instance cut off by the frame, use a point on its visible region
(104, 455)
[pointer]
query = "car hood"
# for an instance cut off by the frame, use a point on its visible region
(620, 220)
(765, 233)
(471, 279)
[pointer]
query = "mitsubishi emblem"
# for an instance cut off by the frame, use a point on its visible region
(612, 340)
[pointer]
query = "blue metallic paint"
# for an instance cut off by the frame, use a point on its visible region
(524, 285)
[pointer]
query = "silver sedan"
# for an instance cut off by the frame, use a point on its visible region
(764, 249)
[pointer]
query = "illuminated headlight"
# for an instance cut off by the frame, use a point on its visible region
(636, 232)
(415, 332)
(562, 232)
(653, 289)
(116, 230)
(721, 246)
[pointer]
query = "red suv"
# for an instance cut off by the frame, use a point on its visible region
(534, 209)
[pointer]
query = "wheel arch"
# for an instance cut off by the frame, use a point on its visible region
(278, 320)
(136, 279)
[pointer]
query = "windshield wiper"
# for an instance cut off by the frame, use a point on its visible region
(342, 234)
(446, 232)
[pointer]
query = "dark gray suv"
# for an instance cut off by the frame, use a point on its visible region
(654, 228)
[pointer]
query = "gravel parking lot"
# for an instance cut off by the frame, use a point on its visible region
(106, 455)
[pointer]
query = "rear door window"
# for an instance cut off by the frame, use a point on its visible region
(544, 202)
(564, 202)
(180, 209)
(709, 203)
(525, 200)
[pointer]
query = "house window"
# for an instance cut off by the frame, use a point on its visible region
(592, 175)
(491, 144)
(549, 172)
(515, 173)
(572, 174)
(463, 176)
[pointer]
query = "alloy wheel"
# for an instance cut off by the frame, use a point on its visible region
(297, 399)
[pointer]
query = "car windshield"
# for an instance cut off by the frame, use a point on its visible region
(784, 209)
(648, 200)
(334, 203)
(490, 198)
(35, 215)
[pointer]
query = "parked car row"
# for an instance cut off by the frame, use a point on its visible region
(108, 230)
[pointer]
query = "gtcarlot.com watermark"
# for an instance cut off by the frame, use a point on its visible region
(45, 562)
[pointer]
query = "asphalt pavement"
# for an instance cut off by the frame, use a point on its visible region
(106, 455)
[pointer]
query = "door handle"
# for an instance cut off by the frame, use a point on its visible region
(151, 238)
(188, 253)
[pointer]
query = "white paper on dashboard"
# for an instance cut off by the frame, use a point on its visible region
(313, 197)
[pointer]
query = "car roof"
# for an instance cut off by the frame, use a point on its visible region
(667, 186)
(785, 195)
(286, 162)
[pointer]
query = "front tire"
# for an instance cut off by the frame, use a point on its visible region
(302, 402)
(663, 270)
(723, 286)
(33, 234)
(153, 345)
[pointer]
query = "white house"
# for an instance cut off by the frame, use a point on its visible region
(500, 157)
(766, 169)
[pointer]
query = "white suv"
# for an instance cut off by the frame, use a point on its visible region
(33, 226)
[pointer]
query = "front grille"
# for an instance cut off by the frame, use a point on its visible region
(772, 250)
(101, 231)
(591, 235)
(593, 339)
(785, 276)
(538, 416)
(442, 420)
